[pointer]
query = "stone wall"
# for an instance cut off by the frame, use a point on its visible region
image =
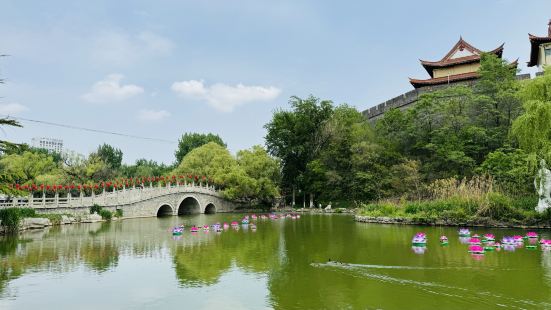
(408, 99)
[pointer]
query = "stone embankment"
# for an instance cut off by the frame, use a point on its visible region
(481, 222)
(30, 223)
(318, 210)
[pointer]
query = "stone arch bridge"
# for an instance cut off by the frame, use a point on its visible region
(176, 199)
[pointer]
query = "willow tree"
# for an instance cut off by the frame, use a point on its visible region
(532, 129)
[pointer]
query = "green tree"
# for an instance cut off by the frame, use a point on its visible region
(510, 168)
(190, 141)
(264, 170)
(4, 145)
(532, 129)
(296, 137)
(109, 155)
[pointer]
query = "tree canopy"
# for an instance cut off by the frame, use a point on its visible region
(190, 141)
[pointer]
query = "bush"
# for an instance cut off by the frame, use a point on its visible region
(106, 214)
(498, 207)
(95, 209)
(27, 212)
(119, 213)
(10, 218)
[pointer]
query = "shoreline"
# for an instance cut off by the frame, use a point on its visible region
(483, 222)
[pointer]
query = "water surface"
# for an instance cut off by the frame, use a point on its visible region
(138, 264)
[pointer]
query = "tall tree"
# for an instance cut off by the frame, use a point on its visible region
(296, 137)
(532, 129)
(110, 155)
(190, 141)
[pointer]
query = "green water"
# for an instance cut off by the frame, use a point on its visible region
(137, 264)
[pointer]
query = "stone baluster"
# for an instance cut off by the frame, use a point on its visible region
(43, 198)
(56, 199)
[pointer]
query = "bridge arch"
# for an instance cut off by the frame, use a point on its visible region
(189, 205)
(165, 210)
(210, 208)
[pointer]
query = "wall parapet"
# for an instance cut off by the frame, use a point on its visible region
(407, 99)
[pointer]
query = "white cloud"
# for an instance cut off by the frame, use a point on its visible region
(110, 90)
(12, 108)
(121, 48)
(224, 97)
(152, 115)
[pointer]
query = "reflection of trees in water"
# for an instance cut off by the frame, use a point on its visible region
(204, 263)
(198, 260)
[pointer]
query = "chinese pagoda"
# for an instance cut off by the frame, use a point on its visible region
(460, 64)
(540, 53)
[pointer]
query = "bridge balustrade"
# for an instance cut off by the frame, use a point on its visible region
(106, 199)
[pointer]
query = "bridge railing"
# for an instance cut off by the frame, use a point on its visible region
(106, 199)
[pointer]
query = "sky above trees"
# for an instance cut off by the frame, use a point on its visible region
(162, 68)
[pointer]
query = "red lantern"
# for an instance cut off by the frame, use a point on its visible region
(96, 186)
(60, 187)
(48, 187)
(72, 186)
(42, 186)
(79, 187)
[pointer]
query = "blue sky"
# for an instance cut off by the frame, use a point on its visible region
(162, 68)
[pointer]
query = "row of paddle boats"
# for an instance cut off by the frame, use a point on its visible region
(246, 220)
(487, 242)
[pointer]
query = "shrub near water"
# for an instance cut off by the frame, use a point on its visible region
(460, 201)
(11, 217)
(106, 214)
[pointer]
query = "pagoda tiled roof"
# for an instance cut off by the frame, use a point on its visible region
(417, 83)
(447, 61)
(535, 43)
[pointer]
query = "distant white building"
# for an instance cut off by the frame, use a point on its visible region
(50, 144)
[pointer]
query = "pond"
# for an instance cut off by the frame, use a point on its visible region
(283, 264)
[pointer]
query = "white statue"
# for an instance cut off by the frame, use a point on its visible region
(542, 182)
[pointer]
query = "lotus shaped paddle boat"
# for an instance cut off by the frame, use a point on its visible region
(532, 235)
(253, 227)
(489, 237)
(254, 217)
(474, 241)
(245, 221)
(508, 240)
(298, 216)
(464, 232)
(477, 236)
(234, 223)
(476, 249)
(194, 229)
(263, 217)
(443, 240)
(176, 231)
(546, 245)
(518, 239)
(206, 228)
(226, 225)
(419, 240)
(293, 217)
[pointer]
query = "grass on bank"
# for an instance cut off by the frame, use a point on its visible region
(450, 200)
